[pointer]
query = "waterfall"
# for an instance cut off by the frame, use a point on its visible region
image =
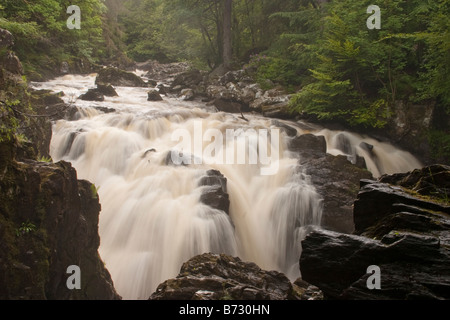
(380, 157)
(152, 219)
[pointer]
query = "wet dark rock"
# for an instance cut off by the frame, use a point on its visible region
(214, 191)
(57, 219)
(107, 90)
(48, 218)
(162, 89)
(153, 95)
(92, 95)
(309, 145)
(189, 79)
(335, 178)
(229, 106)
(413, 265)
(289, 130)
(217, 277)
(120, 78)
(404, 233)
(432, 180)
(376, 201)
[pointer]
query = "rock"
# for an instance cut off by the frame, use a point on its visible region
(337, 263)
(278, 110)
(402, 232)
(228, 106)
(366, 146)
(107, 90)
(289, 130)
(163, 71)
(153, 95)
(309, 145)
(409, 126)
(12, 63)
(218, 277)
(214, 193)
(6, 39)
(57, 217)
(307, 291)
(120, 78)
(188, 79)
(335, 178)
(162, 89)
(187, 94)
(376, 200)
(152, 83)
(433, 181)
(92, 95)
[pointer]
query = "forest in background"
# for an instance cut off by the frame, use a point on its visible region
(320, 51)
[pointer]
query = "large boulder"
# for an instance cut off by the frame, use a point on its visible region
(11, 63)
(335, 178)
(217, 277)
(214, 191)
(377, 200)
(50, 222)
(412, 265)
(401, 231)
(229, 106)
(107, 90)
(163, 71)
(153, 95)
(92, 95)
(120, 78)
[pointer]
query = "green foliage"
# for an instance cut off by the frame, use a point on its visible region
(45, 159)
(357, 74)
(42, 39)
(25, 228)
(94, 191)
(8, 123)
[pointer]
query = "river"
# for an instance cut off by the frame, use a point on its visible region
(152, 219)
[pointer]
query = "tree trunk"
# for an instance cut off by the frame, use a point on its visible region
(227, 47)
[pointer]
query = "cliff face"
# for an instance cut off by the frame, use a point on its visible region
(48, 222)
(401, 225)
(48, 218)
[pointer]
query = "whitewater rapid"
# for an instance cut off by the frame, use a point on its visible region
(152, 219)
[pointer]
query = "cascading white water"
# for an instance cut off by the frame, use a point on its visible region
(380, 157)
(152, 219)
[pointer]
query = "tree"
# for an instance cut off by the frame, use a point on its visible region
(227, 35)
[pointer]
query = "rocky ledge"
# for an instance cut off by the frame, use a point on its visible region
(48, 222)
(222, 277)
(400, 228)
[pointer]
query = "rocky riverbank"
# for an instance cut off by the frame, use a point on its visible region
(48, 218)
(402, 225)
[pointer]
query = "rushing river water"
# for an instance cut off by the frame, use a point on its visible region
(152, 219)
